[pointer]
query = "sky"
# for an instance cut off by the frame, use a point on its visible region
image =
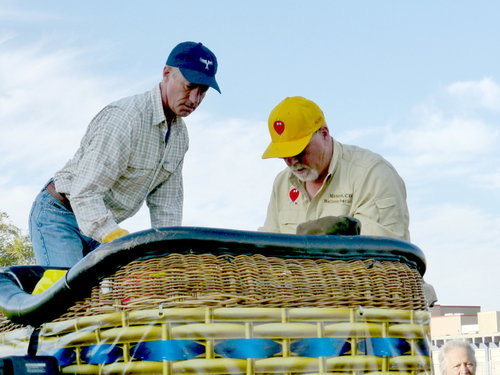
(415, 81)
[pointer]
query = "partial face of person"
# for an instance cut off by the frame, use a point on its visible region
(310, 163)
(183, 97)
(458, 362)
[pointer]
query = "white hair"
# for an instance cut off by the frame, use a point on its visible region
(443, 364)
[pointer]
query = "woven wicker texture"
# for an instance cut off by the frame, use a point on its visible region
(208, 280)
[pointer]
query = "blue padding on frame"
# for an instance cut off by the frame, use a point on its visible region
(384, 346)
(167, 350)
(101, 354)
(423, 347)
(247, 348)
(320, 347)
(64, 356)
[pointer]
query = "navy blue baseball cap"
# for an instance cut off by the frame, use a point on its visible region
(196, 62)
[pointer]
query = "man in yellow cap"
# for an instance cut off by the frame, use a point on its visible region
(325, 178)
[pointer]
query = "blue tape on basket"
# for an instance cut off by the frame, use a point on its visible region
(101, 354)
(247, 348)
(423, 347)
(167, 350)
(64, 356)
(384, 346)
(320, 347)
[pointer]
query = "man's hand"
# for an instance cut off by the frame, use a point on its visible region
(340, 225)
(114, 234)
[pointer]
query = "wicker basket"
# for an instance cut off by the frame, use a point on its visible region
(225, 312)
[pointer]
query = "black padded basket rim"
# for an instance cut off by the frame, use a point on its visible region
(197, 240)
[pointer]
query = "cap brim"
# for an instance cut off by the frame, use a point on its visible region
(198, 78)
(286, 149)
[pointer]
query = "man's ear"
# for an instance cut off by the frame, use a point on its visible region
(325, 132)
(167, 71)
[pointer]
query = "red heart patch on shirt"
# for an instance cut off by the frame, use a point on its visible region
(294, 194)
(279, 127)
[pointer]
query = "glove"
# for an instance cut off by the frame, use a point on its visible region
(339, 225)
(114, 234)
(48, 279)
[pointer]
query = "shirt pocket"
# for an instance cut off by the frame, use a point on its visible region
(139, 172)
(289, 219)
(387, 211)
(171, 163)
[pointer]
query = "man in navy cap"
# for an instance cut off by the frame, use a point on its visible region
(133, 151)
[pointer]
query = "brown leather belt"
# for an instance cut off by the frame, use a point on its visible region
(59, 196)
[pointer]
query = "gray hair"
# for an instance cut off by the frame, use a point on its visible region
(443, 364)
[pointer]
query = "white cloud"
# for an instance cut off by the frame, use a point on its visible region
(461, 246)
(439, 139)
(47, 99)
(483, 94)
(24, 15)
(6, 36)
(444, 140)
(16, 200)
(490, 181)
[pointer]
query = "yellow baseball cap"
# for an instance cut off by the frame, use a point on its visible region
(291, 126)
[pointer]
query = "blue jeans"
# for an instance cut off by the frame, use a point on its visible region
(55, 236)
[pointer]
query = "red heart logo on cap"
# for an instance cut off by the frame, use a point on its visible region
(294, 194)
(279, 127)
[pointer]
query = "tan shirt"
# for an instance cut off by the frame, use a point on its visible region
(360, 184)
(123, 161)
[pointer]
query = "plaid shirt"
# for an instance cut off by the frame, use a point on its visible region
(123, 161)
